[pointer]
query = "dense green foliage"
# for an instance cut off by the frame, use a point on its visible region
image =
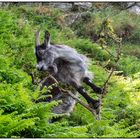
(20, 117)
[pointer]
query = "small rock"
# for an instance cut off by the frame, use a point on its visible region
(62, 6)
(135, 9)
(83, 5)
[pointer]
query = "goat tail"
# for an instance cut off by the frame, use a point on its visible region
(87, 63)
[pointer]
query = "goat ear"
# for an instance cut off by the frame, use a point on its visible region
(47, 38)
(37, 42)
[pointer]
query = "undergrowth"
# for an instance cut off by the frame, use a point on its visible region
(21, 117)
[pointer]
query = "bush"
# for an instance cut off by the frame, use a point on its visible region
(129, 65)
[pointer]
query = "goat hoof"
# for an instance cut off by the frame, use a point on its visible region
(99, 90)
(95, 104)
(104, 91)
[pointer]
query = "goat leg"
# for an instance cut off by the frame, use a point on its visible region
(92, 103)
(92, 85)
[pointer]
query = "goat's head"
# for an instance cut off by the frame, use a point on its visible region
(43, 53)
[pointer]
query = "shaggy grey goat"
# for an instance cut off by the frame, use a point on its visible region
(66, 65)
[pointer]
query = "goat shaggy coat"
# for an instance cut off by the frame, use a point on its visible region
(65, 63)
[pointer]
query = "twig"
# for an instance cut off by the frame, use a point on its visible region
(109, 77)
(107, 51)
(112, 69)
(106, 82)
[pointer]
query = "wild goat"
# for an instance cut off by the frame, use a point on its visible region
(66, 65)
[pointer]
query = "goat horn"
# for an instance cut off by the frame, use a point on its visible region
(37, 42)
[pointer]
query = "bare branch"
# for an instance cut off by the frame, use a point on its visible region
(106, 82)
(104, 89)
(107, 51)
